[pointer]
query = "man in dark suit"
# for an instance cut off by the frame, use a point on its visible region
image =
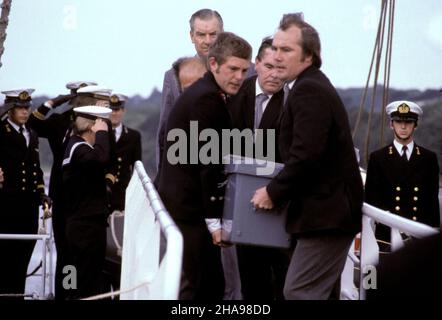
(205, 25)
(57, 128)
(191, 187)
(262, 270)
(403, 177)
(320, 182)
(21, 191)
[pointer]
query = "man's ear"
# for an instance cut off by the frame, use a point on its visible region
(213, 65)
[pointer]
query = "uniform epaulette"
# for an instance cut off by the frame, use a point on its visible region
(38, 115)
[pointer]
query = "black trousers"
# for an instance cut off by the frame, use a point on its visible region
(203, 276)
(86, 239)
(262, 271)
(18, 215)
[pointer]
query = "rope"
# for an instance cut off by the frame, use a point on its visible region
(19, 295)
(387, 70)
(364, 96)
(35, 270)
(6, 8)
(119, 214)
(376, 65)
(115, 293)
(375, 84)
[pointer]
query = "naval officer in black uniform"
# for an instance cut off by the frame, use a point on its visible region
(403, 177)
(21, 191)
(85, 201)
(128, 150)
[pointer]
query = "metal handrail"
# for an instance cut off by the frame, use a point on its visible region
(369, 253)
(45, 249)
(172, 260)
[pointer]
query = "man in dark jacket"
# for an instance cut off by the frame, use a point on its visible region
(190, 186)
(320, 182)
(21, 190)
(403, 177)
(262, 270)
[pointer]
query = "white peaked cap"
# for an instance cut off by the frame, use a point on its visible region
(95, 90)
(93, 112)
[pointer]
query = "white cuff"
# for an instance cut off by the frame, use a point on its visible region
(47, 104)
(213, 224)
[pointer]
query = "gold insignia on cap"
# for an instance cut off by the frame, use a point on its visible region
(23, 95)
(83, 85)
(114, 99)
(403, 108)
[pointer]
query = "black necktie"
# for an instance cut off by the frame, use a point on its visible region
(404, 153)
(21, 129)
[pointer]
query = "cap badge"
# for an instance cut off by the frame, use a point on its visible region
(83, 85)
(23, 96)
(403, 108)
(114, 99)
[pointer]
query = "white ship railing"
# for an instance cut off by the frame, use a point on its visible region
(46, 272)
(369, 248)
(144, 275)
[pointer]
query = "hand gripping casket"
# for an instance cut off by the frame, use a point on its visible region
(242, 223)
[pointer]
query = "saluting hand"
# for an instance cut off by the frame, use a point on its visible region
(100, 125)
(60, 99)
(261, 200)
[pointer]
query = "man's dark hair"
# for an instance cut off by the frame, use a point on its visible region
(206, 14)
(228, 44)
(311, 44)
(265, 44)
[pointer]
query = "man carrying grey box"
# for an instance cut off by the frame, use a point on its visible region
(320, 180)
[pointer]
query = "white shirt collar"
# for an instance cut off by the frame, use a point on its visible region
(118, 131)
(410, 148)
(16, 126)
(291, 84)
(258, 90)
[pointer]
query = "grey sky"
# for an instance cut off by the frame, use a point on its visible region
(127, 45)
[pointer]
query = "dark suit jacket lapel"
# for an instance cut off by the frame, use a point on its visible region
(396, 167)
(414, 161)
(272, 111)
(250, 107)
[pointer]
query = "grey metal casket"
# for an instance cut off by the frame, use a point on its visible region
(243, 224)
